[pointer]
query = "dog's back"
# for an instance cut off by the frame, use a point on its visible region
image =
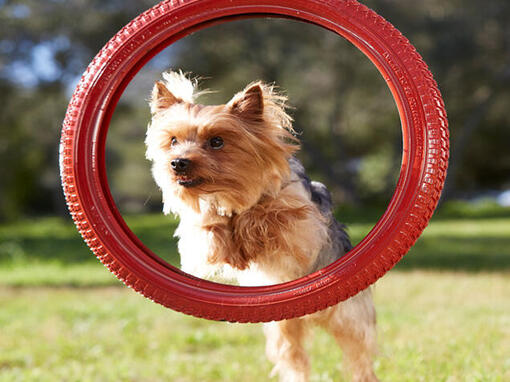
(320, 195)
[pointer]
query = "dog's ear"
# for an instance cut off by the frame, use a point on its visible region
(161, 98)
(249, 104)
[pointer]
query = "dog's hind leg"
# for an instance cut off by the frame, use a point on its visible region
(284, 347)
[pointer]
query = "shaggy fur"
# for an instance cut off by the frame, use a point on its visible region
(248, 211)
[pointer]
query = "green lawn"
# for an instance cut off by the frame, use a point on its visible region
(443, 312)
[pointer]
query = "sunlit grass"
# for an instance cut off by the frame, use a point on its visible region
(432, 327)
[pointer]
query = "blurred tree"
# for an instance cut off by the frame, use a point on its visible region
(44, 47)
(467, 45)
(350, 128)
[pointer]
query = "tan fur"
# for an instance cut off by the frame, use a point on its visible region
(351, 323)
(244, 214)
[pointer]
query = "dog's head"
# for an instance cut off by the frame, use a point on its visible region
(223, 157)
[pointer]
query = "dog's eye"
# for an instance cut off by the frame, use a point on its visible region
(216, 143)
(173, 141)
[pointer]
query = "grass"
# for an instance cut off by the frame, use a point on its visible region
(443, 312)
(432, 327)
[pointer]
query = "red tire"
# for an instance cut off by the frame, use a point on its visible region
(425, 156)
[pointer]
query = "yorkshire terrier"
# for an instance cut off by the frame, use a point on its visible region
(247, 209)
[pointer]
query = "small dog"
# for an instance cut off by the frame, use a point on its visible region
(247, 210)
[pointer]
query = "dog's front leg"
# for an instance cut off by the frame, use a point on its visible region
(284, 347)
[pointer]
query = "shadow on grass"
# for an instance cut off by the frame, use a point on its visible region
(477, 254)
(465, 238)
(74, 250)
(444, 253)
(447, 247)
(57, 241)
(448, 211)
(164, 247)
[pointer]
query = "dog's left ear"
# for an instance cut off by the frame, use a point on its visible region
(249, 104)
(161, 98)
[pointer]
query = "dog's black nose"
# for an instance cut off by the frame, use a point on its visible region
(180, 164)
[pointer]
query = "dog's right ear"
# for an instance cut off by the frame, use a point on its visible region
(161, 98)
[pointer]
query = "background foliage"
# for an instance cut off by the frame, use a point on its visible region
(349, 123)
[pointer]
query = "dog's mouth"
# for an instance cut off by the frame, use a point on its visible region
(187, 181)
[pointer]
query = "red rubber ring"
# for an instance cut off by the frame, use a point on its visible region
(83, 172)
